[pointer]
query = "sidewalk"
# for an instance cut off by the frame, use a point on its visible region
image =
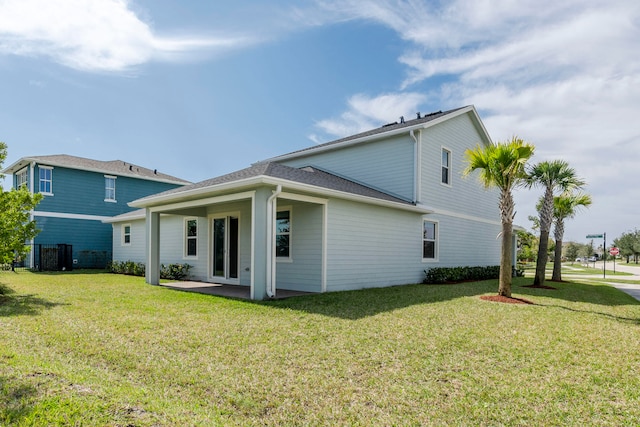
(629, 288)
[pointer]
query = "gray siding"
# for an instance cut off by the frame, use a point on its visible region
(465, 195)
(372, 246)
(304, 271)
(386, 165)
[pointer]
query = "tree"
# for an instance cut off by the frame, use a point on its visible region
(16, 227)
(553, 176)
(502, 165)
(565, 206)
(629, 244)
(528, 245)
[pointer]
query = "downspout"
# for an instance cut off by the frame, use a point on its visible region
(417, 160)
(31, 216)
(271, 238)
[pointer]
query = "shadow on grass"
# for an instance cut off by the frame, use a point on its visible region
(591, 293)
(12, 304)
(15, 400)
(369, 302)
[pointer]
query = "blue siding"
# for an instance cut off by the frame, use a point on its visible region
(91, 240)
(82, 192)
(79, 192)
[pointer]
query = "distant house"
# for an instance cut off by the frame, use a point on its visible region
(370, 210)
(78, 195)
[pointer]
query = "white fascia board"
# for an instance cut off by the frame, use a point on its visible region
(132, 216)
(187, 195)
(190, 198)
(377, 136)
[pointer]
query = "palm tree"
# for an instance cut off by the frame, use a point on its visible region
(565, 206)
(502, 165)
(553, 176)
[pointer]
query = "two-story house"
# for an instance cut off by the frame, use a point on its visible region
(78, 195)
(373, 209)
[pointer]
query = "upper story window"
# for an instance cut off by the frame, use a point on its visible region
(429, 240)
(126, 234)
(46, 180)
(191, 237)
(21, 178)
(109, 188)
(446, 166)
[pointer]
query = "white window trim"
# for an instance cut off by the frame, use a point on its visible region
(290, 257)
(437, 240)
(24, 171)
(122, 232)
(114, 200)
(186, 238)
(449, 167)
(40, 180)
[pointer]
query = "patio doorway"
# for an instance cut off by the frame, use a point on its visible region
(225, 249)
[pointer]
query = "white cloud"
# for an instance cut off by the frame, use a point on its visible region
(366, 112)
(93, 35)
(563, 75)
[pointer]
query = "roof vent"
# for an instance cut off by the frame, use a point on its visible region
(130, 167)
(155, 171)
(418, 114)
(401, 119)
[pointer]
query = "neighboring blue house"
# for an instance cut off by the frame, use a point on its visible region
(370, 210)
(78, 195)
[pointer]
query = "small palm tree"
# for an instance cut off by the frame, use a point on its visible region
(553, 176)
(502, 165)
(565, 206)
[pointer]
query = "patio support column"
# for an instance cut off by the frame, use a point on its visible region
(260, 241)
(152, 272)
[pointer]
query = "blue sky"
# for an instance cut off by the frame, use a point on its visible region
(199, 89)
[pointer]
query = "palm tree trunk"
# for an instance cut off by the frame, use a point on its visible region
(557, 262)
(558, 232)
(506, 205)
(541, 261)
(506, 267)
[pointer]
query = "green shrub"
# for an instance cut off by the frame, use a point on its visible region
(171, 271)
(130, 268)
(460, 274)
(174, 271)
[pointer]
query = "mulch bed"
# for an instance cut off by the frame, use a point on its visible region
(502, 298)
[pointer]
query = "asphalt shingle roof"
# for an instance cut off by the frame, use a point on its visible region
(115, 167)
(308, 175)
(383, 129)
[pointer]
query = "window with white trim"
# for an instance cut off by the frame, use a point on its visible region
(191, 237)
(126, 234)
(283, 234)
(429, 240)
(109, 188)
(46, 180)
(21, 178)
(446, 166)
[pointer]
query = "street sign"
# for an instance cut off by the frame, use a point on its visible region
(614, 251)
(594, 236)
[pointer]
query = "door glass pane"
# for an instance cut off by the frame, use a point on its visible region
(218, 247)
(233, 248)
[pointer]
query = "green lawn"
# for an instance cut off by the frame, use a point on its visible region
(97, 349)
